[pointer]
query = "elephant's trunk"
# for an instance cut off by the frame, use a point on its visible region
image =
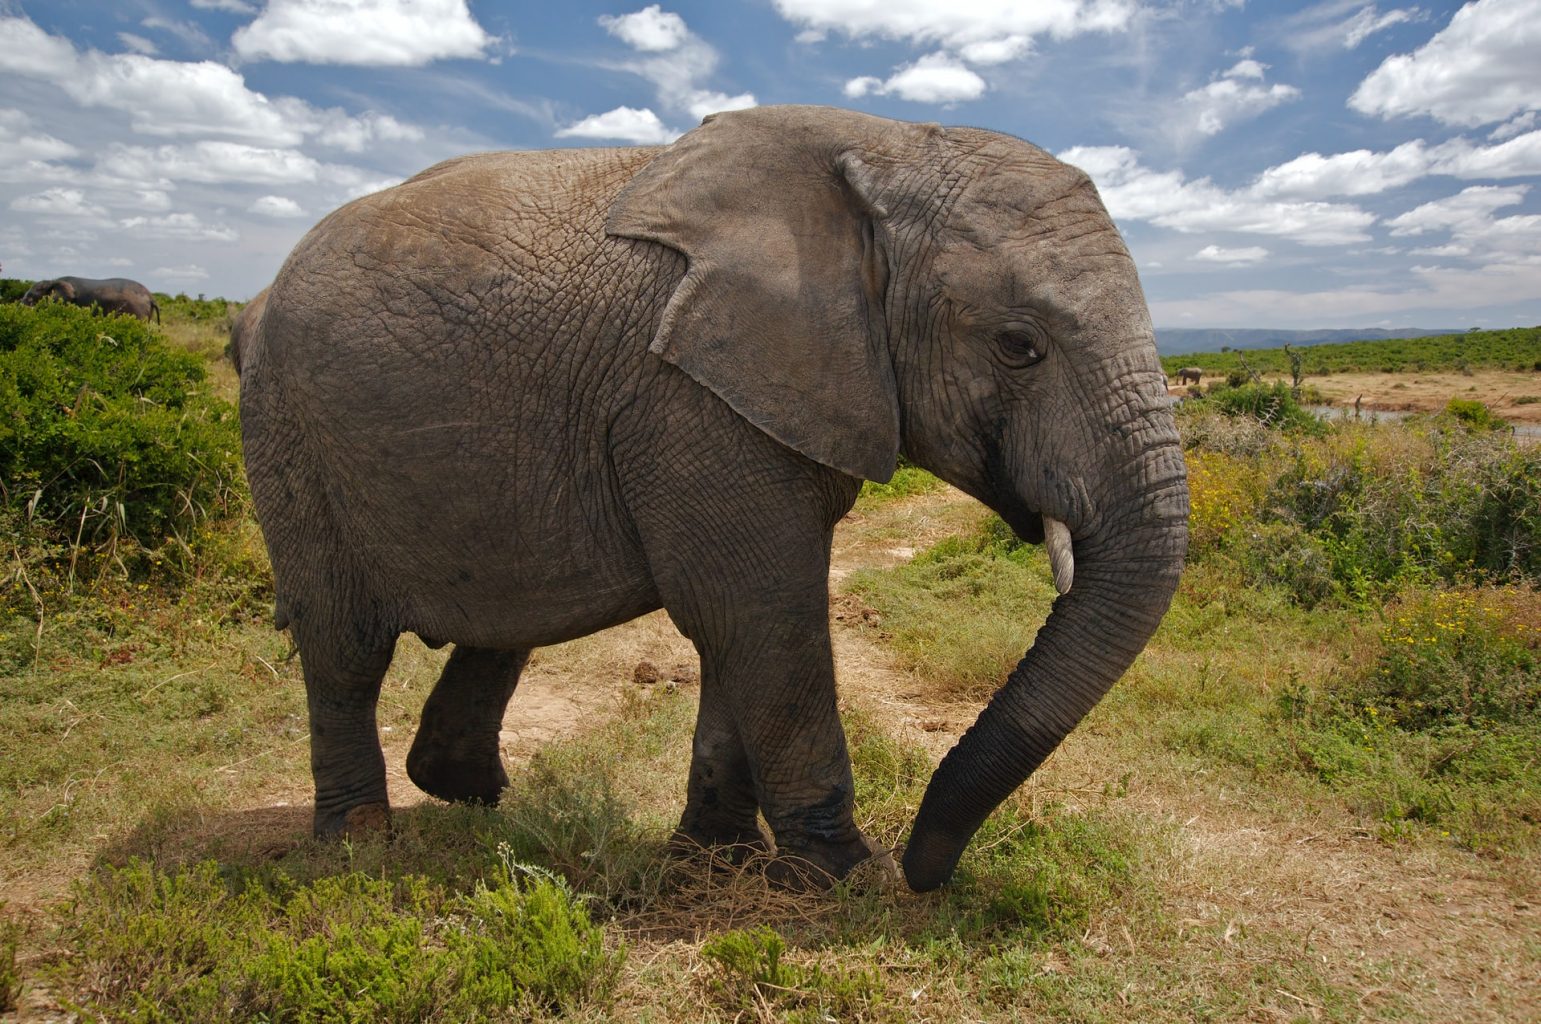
(1124, 581)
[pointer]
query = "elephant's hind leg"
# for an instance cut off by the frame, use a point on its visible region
(342, 687)
(455, 753)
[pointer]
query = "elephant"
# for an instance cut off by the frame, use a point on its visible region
(525, 396)
(112, 295)
(1189, 374)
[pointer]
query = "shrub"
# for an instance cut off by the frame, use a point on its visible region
(105, 432)
(1457, 657)
(1474, 414)
(1273, 405)
(197, 945)
(750, 973)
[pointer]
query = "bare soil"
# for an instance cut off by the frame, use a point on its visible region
(1503, 391)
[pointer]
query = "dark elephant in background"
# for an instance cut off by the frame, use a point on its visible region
(110, 295)
(525, 396)
(1189, 375)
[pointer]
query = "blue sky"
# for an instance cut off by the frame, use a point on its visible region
(1332, 164)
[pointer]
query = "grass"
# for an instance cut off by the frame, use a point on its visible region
(1267, 819)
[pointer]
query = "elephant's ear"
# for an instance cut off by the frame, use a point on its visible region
(781, 311)
(64, 289)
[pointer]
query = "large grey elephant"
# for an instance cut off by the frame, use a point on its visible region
(525, 396)
(1189, 374)
(110, 295)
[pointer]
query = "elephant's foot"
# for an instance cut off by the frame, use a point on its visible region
(462, 773)
(373, 818)
(719, 848)
(814, 866)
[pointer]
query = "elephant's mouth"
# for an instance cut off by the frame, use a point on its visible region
(1037, 528)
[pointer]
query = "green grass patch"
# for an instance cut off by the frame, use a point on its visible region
(907, 481)
(203, 943)
(962, 612)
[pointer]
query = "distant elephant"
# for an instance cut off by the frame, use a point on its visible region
(525, 396)
(242, 325)
(1189, 374)
(112, 295)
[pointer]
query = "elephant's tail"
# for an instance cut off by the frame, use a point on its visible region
(156, 309)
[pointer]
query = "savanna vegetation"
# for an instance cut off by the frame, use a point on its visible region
(1315, 797)
(1516, 348)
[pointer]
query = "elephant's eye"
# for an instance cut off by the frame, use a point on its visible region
(1022, 348)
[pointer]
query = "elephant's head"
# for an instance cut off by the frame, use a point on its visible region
(48, 289)
(858, 288)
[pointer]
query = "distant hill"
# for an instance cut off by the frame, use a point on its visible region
(1512, 348)
(1171, 340)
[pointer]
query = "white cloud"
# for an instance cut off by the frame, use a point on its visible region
(334, 127)
(934, 78)
(401, 33)
(234, 6)
(1460, 213)
(58, 202)
(186, 31)
(1230, 98)
(1168, 199)
(678, 63)
(211, 163)
(185, 272)
(977, 32)
(19, 142)
(139, 44)
(280, 207)
(1368, 21)
(652, 29)
(1524, 123)
(960, 23)
(1233, 257)
(180, 226)
(626, 124)
(1481, 68)
(1363, 172)
(1435, 288)
(171, 98)
(1331, 26)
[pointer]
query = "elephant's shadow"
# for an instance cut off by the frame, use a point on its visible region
(653, 895)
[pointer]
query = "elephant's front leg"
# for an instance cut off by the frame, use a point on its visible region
(455, 753)
(778, 676)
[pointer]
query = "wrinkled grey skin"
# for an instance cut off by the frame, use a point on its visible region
(112, 295)
(1189, 374)
(525, 396)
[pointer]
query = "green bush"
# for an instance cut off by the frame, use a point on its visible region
(1455, 658)
(1474, 414)
(199, 944)
(181, 307)
(1270, 404)
(105, 432)
(750, 973)
(12, 289)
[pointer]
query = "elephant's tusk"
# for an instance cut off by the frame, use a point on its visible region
(1056, 537)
